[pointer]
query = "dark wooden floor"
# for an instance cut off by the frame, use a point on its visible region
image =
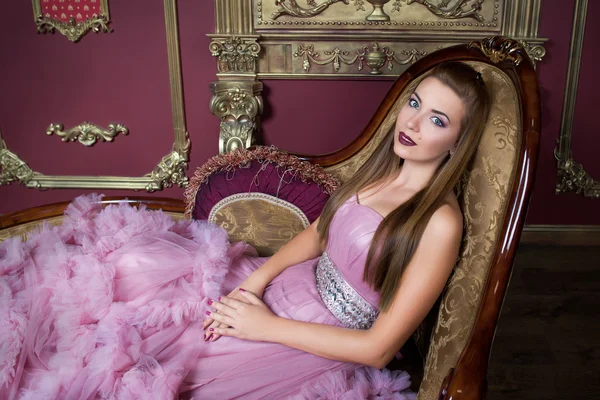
(547, 345)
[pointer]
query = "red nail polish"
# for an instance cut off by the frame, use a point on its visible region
(212, 329)
(242, 290)
(209, 337)
(210, 302)
(208, 313)
(219, 298)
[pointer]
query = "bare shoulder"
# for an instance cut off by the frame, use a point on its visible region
(446, 221)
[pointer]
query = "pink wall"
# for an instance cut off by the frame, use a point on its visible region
(127, 73)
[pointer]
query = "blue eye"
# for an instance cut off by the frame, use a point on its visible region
(437, 121)
(413, 103)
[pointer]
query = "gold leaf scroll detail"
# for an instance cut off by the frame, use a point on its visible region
(12, 168)
(291, 8)
(87, 134)
(73, 30)
(499, 48)
(458, 11)
(171, 169)
(574, 178)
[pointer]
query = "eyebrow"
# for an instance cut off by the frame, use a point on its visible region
(435, 111)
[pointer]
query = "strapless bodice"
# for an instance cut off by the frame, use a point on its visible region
(339, 273)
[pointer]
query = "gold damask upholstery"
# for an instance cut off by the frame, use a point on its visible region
(23, 230)
(483, 194)
(262, 220)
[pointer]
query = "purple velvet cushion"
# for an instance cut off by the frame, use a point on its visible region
(264, 170)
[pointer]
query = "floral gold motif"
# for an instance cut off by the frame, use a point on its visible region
(72, 29)
(87, 134)
(499, 49)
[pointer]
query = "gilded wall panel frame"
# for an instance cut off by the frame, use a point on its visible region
(571, 174)
(71, 21)
(168, 171)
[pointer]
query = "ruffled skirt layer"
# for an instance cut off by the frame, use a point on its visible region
(110, 305)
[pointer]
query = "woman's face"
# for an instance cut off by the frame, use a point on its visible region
(428, 125)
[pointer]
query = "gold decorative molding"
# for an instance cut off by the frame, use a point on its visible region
(375, 58)
(291, 8)
(72, 29)
(87, 134)
(536, 52)
(460, 9)
(169, 170)
(12, 168)
(499, 49)
(571, 174)
(235, 54)
(415, 14)
(238, 104)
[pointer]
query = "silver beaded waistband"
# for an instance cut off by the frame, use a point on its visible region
(341, 299)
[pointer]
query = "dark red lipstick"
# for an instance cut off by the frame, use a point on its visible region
(405, 139)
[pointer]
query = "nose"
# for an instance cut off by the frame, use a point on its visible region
(413, 123)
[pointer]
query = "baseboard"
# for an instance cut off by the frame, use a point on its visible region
(562, 235)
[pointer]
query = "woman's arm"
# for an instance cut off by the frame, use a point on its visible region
(304, 246)
(420, 285)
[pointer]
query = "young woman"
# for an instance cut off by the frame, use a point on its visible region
(111, 305)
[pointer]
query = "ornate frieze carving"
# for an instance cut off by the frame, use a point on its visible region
(239, 105)
(460, 9)
(411, 14)
(375, 58)
(87, 134)
(235, 54)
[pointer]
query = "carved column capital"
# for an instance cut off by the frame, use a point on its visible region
(235, 54)
(238, 104)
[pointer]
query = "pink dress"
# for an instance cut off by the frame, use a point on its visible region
(110, 306)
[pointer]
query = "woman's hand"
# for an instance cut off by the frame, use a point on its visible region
(250, 319)
(251, 286)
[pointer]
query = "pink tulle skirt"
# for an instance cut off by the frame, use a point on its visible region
(110, 306)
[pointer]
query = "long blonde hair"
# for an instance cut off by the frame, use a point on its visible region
(398, 235)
